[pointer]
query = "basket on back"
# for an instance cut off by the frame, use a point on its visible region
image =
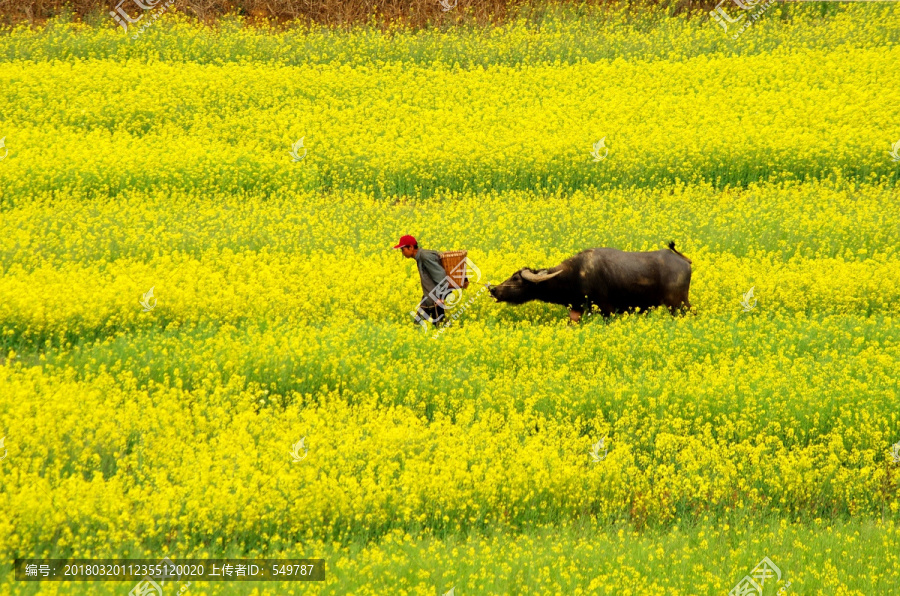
(454, 263)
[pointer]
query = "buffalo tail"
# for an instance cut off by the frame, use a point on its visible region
(672, 246)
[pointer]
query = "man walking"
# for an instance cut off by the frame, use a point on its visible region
(431, 274)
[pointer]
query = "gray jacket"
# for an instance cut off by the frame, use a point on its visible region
(431, 273)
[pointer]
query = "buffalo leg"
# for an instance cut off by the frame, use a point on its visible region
(679, 306)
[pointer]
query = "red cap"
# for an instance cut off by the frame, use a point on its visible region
(406, 241)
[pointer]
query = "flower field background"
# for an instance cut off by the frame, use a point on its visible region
(460, 460)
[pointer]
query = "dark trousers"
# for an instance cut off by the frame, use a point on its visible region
(436, 312)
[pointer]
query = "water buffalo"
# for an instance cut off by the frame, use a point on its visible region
(609, 278)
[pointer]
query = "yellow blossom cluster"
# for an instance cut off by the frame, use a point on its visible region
(174, 426)
(112, 127)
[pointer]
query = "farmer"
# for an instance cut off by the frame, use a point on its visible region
(431, 274)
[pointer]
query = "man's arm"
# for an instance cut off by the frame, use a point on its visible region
(432, 274)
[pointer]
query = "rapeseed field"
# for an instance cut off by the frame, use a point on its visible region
(206, 347)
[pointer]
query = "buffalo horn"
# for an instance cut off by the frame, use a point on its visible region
(541, 275)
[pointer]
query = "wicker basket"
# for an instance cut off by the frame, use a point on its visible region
(454, 263)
